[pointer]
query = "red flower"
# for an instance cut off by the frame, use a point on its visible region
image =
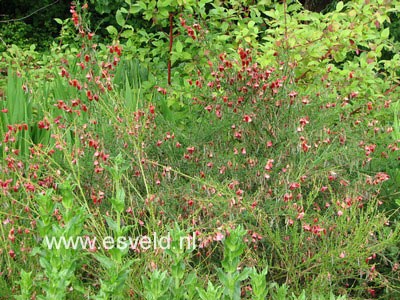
(247, 119)
(287, 197)
(190, 149)
(372, 293)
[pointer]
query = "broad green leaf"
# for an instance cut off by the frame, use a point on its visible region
(112, 30)
(163, 13)
(105, 261)
(135, 9)
(127, 34)
(224, 26)
(186, 55)
(178, 46)
(120, 18)
(271, 13)
(164, 3)
(339, 6)
(112, 224)
(385, 33)
(202, 3)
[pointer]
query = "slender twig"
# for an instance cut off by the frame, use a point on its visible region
(307, 43)
(392, 88)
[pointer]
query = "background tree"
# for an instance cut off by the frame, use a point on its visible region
(31, 22)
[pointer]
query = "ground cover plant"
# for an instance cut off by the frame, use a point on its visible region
(263, 135)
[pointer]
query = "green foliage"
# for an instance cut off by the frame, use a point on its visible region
(30, 22)
(17, 114)
(17, 33)
(106, 6)
(229, 276)
(57, 276)
(26, 284)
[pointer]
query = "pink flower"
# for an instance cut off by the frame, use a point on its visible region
(269, 165)
(218, 237)
(381, 177)
(161, 90)
(300, 216)
(293, 94)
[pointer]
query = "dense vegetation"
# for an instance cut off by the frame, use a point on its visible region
(264, 133)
